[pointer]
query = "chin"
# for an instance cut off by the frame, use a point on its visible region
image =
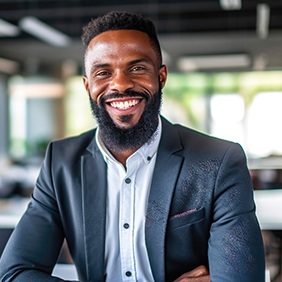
(126, 122)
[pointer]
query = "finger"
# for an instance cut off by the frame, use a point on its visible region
(199, 271)
(205, 278)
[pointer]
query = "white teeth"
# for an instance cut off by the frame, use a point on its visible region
(124, 105)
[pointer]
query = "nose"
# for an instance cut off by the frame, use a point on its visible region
(121, 82)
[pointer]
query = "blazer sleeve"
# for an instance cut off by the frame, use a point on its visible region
(235, 249)
(35, 244)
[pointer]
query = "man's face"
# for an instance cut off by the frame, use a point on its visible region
(120, 62)
(124, 82)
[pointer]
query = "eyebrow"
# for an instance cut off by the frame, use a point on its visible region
(98, 66)
(142, 60)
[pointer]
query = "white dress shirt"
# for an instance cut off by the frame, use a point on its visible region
(126, 257)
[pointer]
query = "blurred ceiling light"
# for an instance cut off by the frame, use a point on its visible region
(44, 32)
(38, 90)
(7, 29)
(231, 4)
(263, 14)
(210, 62)
(8, 66)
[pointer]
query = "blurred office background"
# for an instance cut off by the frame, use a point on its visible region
(225, 78)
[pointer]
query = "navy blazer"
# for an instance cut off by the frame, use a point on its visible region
(200, 212)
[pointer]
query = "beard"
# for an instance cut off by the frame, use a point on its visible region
(118, 139)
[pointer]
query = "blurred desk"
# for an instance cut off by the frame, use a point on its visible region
(269, 208)
(269, 213)
(65, 271)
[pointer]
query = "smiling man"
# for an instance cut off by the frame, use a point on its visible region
(124, 78)
(137, 199)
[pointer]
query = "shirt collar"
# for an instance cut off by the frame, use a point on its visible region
(147, 151)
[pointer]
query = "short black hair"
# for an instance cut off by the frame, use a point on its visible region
(116, 20)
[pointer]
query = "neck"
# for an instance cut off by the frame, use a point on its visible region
(122, 156)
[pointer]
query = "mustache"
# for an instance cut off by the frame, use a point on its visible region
(126, 94)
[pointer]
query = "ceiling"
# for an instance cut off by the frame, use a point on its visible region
(186, 28)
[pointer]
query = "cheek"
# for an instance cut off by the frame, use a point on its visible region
(153, 87)
(149, 84)
(96, 91)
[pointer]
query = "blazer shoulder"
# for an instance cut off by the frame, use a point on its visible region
(190, 135)
(198, 143)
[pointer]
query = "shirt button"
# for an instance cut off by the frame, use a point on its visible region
(126, 225)
(127, 180)
(149, 158)
(128, 273)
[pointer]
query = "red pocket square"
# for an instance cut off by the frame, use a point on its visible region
(183, 213)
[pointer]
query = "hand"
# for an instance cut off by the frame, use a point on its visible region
(199, 274)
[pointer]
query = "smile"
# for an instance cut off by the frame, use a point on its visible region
(124, 105)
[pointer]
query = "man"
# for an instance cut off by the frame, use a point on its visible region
(137, 199)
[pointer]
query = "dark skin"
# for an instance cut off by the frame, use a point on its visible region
(120, 60)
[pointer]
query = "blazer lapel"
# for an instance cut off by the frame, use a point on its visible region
(94, 183)
(164, 180)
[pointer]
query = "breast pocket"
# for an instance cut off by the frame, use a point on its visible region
(186, 218)
(187, 241)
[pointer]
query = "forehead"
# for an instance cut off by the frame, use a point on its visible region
(121, 42)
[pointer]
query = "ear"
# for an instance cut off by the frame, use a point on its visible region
(163, 75)
(85, 82)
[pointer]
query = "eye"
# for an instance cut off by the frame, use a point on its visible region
(102, 73)
(138, 68)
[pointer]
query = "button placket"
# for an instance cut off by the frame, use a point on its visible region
(126, 227)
